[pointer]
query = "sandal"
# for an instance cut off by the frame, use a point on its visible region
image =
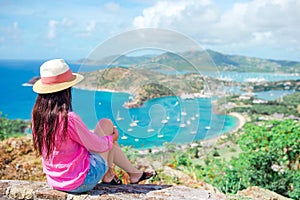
(145, 176)
(114, 181)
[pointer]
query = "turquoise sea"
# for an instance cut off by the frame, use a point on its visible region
(167, 119)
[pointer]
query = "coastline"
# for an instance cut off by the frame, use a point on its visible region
(99, 90)
(241, 120)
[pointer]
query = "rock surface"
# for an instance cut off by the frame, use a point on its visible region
(41, 190)
(260, 193)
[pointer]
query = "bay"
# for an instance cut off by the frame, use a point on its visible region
(167, 119)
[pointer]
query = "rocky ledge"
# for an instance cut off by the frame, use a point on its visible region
(40, 190)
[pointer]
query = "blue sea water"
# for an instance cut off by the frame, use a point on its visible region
(167, 119)
(143, 126)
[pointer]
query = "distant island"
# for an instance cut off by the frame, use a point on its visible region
(205, 60)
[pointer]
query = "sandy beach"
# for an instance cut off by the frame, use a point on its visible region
(94, 90)
(241, 122)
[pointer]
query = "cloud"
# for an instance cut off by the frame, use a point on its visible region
(52, 29)
(88, 29)
(54, 25)
(10, 33)
(261, 36)
(91, 26)
(166, 12)
(250, 22)
(66, 22)
(112, 7)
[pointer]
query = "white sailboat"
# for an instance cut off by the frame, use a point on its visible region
(118, 117)
(193, 132)
(159, 134)
(182, 125)
(183, 113)
(178, 118)
(124, 137)
(168, 117)
(150, 130)
(164, 121)
(133, 122)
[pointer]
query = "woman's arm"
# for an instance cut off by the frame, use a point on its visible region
(81, 134)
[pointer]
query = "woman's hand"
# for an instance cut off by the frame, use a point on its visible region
(115, 134)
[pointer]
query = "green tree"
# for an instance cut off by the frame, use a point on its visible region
(271, 157)
(11, 128)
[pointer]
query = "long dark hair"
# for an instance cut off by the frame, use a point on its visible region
(48, 112)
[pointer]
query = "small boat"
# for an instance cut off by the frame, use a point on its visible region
(193, 132)
(150, 130)
(159, 134)
(207, 127)
(182, 125)
(188, 122)
(136, 140)
(129, 130)
(164, 121)
(133, 124)
(124, 137)
(168, 117)
(178, 118)
(118, 117)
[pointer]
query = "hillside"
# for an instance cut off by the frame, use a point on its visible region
(145, 84)
(22, 178)
(208, 60)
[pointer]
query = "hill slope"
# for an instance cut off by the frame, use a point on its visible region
(208, 60)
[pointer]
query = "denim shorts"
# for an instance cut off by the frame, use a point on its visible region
(98, 168)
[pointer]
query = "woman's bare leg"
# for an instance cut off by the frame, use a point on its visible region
(115, 155)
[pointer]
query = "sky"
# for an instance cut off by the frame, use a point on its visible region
(32, 29)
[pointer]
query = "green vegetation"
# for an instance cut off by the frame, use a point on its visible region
(271, 156)
(270, 159)
(11, 128)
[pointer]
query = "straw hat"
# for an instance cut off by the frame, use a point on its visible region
(56, 75)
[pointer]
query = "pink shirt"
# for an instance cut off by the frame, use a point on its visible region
(69, 164)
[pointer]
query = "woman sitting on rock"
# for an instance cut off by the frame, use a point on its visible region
(74, 158)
